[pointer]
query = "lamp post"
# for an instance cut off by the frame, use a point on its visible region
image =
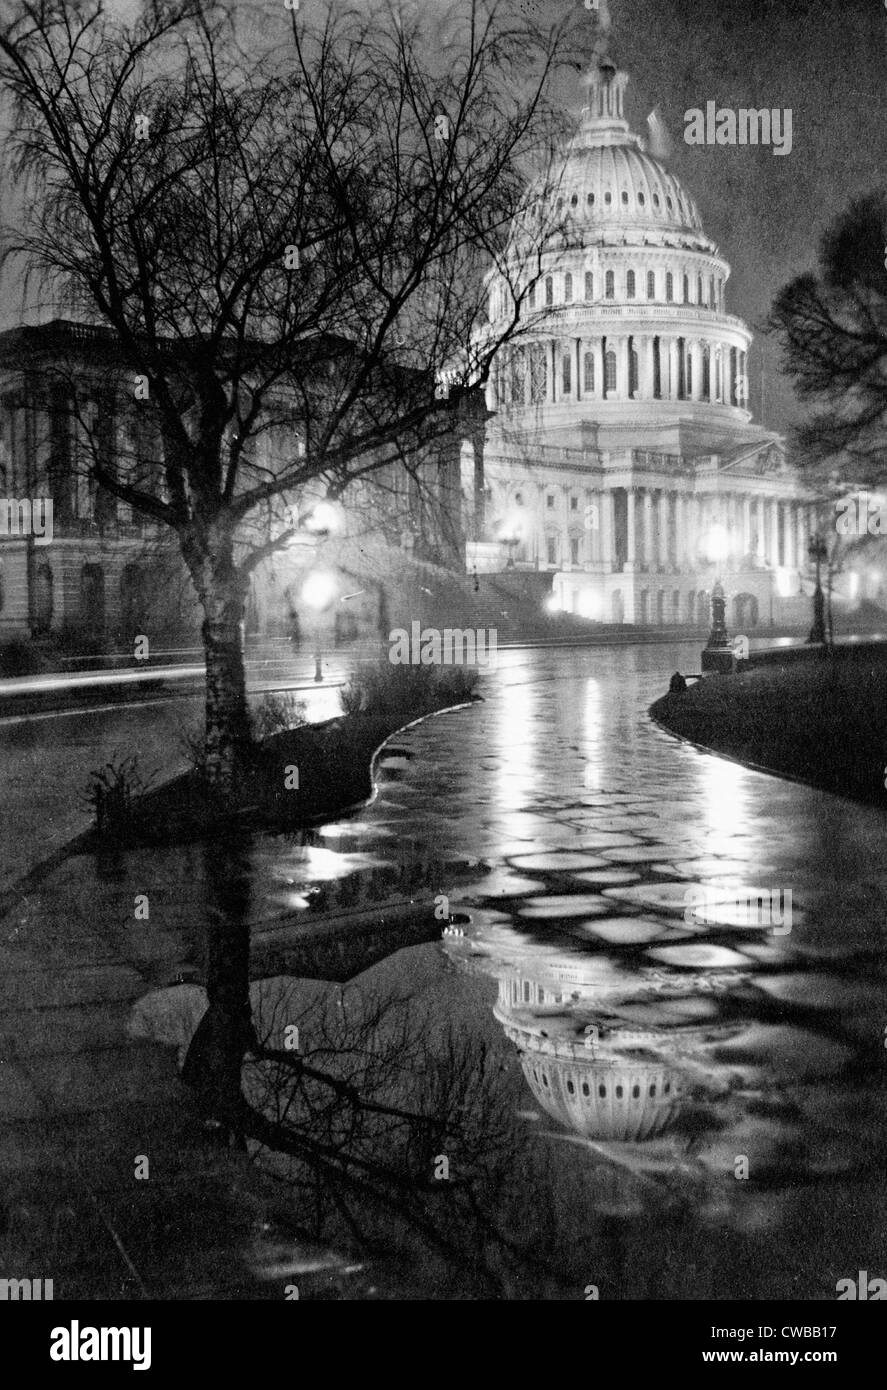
(717, 654)
(818, 551)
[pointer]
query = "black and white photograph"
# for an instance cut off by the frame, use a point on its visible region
(443, 665)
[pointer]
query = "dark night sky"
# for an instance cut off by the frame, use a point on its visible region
(827, 61)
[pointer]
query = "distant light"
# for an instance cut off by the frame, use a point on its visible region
(326, 516)
(853, 584)
(319, 590)
(717, 544)
(553, 604)
(784, 585)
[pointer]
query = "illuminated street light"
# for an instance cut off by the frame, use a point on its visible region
(717, 548)
(318, 592)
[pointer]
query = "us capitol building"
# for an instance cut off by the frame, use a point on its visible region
(621, 455)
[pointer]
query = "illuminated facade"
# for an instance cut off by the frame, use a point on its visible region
(622, 456)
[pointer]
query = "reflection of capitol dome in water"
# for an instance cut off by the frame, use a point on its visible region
(598, 1091)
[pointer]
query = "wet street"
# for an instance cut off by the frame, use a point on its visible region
(624, 1098)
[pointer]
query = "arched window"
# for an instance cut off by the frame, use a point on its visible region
(549, 290)
(711, 292)
(589, 198)
(610, 371)
(624, 198)
(608, 198)
(651, 284)
(568, 288)
(589, 285)
(669, 287)
(610, 285)
(719, 386)
(531, 297)
(566, 374)
(688, 369)
(629, 285)
(700, 293)
(686, 289)
(706, 373)
(632, 372)
(589, 372)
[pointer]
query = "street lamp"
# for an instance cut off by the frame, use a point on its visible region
(318, 592)
(510, 533)
(818, 551)
(717, 548)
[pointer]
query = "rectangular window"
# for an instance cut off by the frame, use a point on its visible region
(549, 502)
(574, 504)
(551, 550)
(574, 550)
(566, 374)
(589, 285)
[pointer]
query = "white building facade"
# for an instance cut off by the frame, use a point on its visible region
(621, 455)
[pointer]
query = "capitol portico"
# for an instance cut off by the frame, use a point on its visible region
(621, 455)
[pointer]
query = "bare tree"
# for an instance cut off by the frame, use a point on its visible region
(284, 239)
(832, 326)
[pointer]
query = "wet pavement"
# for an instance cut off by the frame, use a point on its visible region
(641, 987)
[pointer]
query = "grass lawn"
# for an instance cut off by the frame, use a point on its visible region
(825, 723)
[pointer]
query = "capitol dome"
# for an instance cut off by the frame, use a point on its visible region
(608, 183)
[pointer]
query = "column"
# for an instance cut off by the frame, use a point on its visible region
(622, 375)
(680, 528)
(788, 537)
(663, 529)
(607, 547)
(746, 525)
(672, 369)
(774, 532)
(647, 367)
(694, 351)
(597, 348)
(551, 393)
(803, 538)
(647, 508)
(760, 527)
(630, 536)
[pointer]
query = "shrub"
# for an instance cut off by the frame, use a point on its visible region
(276, 713)
(111, 791)
(406, 691)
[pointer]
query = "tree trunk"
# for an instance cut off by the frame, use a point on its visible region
(225, 1034)
(227, 712)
